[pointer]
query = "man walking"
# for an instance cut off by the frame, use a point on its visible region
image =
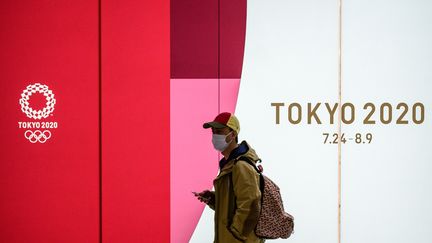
(236, 199)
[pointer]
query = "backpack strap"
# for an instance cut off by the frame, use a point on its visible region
(232, 208)
(249, 161)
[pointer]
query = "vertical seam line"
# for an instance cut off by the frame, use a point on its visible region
(218, 56)
(339, 117)
(218, 59)
(100, 115)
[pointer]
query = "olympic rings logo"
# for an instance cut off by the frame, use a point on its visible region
(29, 91)
(37, 136)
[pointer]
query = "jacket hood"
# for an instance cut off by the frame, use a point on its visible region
(244, 149)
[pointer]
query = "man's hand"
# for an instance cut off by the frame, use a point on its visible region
(205, 196)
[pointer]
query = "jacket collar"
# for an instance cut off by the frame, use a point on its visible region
(240, 150)
(228, 164)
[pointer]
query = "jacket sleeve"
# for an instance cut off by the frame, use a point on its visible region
(211, 204)
(248, 200)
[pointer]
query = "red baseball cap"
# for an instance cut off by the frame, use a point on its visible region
(224, 119)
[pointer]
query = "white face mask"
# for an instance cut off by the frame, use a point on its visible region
(219, 142)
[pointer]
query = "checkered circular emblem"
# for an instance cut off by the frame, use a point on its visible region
(29, 91)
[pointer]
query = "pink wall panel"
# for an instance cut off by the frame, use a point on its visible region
(194, 162)
(49, 191)
(229, 90)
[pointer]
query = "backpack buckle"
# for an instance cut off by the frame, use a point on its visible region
(259, 166)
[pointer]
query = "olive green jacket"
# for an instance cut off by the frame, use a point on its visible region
(237, 204)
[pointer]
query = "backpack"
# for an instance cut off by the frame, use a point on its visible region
(273, 221)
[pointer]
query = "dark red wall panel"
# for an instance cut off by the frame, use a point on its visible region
(232, 37)
(49, 192)
(207, 36)
(194, 39)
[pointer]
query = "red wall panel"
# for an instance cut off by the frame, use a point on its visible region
(50, 191)
(135, 121)
(62, 190)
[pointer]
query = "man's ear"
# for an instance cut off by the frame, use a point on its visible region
(234, 135)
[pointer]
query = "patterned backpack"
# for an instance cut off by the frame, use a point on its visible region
(273, 221)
